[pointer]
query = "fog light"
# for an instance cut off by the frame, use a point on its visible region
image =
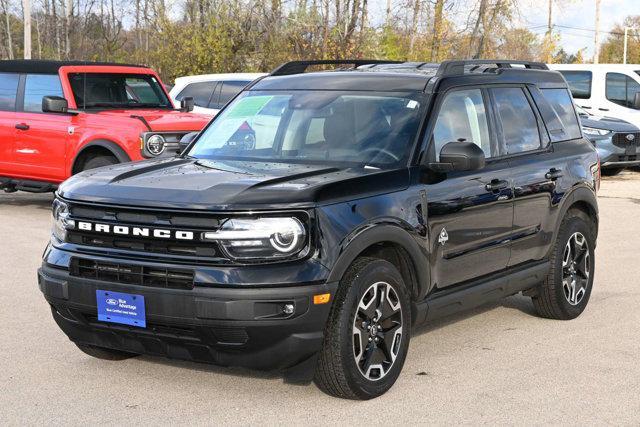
(288, 309)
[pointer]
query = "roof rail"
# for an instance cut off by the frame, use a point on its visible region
(457, 67)
(298, 67)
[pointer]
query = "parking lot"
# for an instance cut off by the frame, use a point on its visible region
(498, 364)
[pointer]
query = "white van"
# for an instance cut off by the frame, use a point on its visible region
(611, 90)
(210, 92)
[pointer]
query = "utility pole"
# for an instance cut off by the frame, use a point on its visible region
(624, 51)
(549, 29)
(26, 6)
(596, 47)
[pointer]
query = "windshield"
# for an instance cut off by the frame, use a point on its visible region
(330, 127)
(101, 91)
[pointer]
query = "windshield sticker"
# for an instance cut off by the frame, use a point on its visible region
(249, 106)
(412, 104)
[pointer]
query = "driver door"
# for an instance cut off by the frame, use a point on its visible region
(470, 213)
(41, 138)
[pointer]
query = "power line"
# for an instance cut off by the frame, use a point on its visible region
(569, 27)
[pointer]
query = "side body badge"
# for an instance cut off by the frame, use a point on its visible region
(444, 236)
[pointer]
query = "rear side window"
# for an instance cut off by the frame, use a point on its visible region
(621, 89)
(518, 121)
(463, 117)
(38, 86)
(8, 91)
(579, 83)
(228, 91)
(200, 92)
(561, 103)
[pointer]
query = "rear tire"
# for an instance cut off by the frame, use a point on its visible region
(104, 353)
(565, 292)
(367, 334)
(98, 162)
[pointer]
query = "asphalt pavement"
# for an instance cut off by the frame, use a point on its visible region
(499, 364)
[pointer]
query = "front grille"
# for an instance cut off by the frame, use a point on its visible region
(208, 250)
(192, 251)
(620, 139)
(623, 158)
(159, 277)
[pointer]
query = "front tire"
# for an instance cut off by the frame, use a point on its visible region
(565, 292)
(367, 334)
(99, 161)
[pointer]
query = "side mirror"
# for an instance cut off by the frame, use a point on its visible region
(187, 104)
(54, 104)
(636, 101)
(460, 156)
(186, 140)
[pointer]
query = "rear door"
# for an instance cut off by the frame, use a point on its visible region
(470, 213)
(227, 90)
(8, 93)
(41, 138)
(202, 94)
(534, 165)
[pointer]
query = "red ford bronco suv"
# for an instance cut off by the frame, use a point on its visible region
(60, 118)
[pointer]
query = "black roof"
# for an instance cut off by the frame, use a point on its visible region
(377, 75)
(47, 67)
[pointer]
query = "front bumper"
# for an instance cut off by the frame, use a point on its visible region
(612, 156)
(224, 326)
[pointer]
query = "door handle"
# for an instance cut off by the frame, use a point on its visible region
(22, 126)
(586, 107)
(497, 185)
(553, 174)
(603, 109)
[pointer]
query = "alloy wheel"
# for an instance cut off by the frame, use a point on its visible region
(575, 268)
(377, 331)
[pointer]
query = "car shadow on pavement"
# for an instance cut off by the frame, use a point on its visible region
(213, 369)
(38, 201)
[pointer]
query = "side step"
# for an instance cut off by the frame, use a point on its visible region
(12, 185)
(465, 297)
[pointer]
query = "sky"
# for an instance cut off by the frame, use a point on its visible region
(578, 14)
(533, 15)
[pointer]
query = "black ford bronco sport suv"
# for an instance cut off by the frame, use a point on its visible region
(321, 215)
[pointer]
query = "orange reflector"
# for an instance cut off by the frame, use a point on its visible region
(321, 299)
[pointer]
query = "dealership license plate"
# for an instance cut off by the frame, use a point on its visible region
(118, 307)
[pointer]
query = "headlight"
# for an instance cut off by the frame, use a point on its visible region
(61, 221)
(260, 238)
(156, 144)
(594, 132)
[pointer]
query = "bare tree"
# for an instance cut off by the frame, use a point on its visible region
(7, 20)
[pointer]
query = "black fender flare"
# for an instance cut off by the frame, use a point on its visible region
(117, 151)
(373, 234)
(578, 194)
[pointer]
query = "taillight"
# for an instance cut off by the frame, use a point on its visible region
(595, 172)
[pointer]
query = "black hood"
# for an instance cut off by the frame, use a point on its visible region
(607, 123)
(227, 185)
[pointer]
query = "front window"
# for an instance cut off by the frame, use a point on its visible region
(102, 90)
(579, 83)
(331, 127)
